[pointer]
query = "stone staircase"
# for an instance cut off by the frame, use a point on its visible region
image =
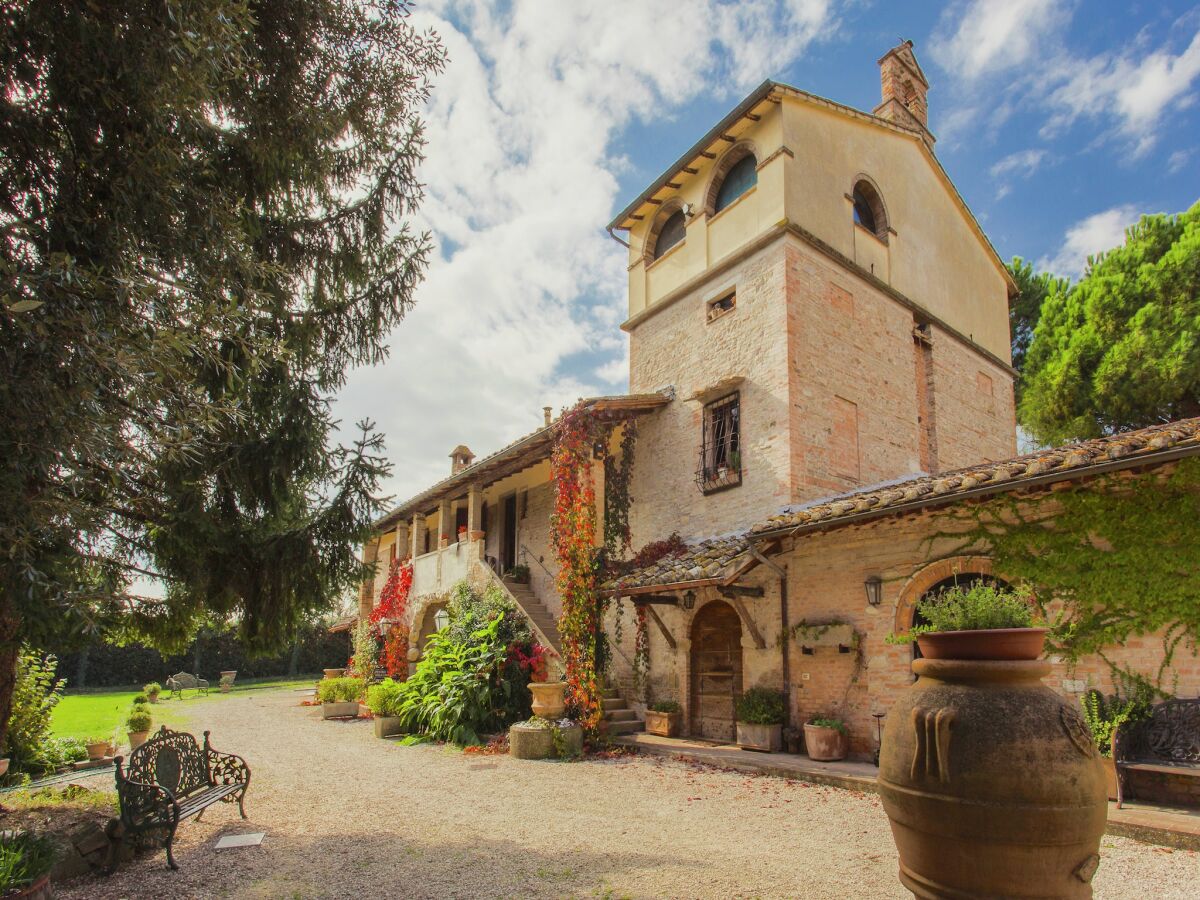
(618, 717)
(536, 612)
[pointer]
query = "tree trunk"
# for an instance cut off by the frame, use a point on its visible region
(10, 649)
(295, 660)
(81, 669)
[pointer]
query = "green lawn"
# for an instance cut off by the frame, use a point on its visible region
(84, 714)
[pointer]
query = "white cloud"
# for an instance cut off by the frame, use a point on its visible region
(1177, 160)
(523, 158)
(1023, 163)
(989, 36)
(1087, 237)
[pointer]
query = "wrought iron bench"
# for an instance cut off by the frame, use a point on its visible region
(168, 779)
(1168, 742)
(181, 681)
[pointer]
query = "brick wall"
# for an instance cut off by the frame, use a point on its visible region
(974, 405)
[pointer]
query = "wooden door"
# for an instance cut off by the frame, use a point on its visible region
(716, 671)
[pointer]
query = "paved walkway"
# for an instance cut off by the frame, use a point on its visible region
(1162, 825)
(350, 816)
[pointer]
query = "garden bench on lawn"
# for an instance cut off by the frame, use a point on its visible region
(181, 681)
(1167, 742)
(168, 779)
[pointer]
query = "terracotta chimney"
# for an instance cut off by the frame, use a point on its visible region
(460, 457)
(904, 90)
(546, 414)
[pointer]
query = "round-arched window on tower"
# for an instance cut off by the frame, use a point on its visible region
(868, 210)
(673, 231)
(742, 176)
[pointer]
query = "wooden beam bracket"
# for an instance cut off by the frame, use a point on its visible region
(748, 622)
(666, 633)
(741, 590)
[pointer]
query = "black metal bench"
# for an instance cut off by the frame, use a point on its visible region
(168, 779)
(1167, 742)
(181, 681)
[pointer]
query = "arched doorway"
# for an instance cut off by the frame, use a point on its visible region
(964, 580)
(716, 668)
(435, 617)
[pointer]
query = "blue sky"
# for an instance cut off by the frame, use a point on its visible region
(1060, 122)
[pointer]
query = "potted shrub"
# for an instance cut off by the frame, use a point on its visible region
(462, 533)
(825, 738)
(339, 697)
(979, 734)
(97, 748)
(152, 690)
(25, 863)
(979, 621)
(663, 718)
(138, 725)
(1104, 716)
(334, 673)
(519, 574)
(227, 679)
(760, 714)
(383, 700)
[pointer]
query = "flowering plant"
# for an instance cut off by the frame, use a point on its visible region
(534, 662)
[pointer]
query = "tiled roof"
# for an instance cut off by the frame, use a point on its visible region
(720, 560)
(712, 559)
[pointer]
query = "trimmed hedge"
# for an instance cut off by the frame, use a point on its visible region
(104, 665)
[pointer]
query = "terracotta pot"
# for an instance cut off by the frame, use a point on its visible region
(1110, 777)
(97, 750)
(767, 738)
(4, 767)
(548, 698)
(825, 744)
(985, 643)
(153, 698)
(992, 783)
(137, 738)
(334, 673)
(664, 724)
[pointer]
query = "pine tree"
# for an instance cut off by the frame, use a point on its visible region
(202, 228)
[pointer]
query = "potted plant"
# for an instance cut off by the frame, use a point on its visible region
(383, 700)
(519, 574)
(462, 532)
(152, 690)
(978, 734)
(979, 621)
(825, 738)
(25, 863)
(97, 748)
(760, 714)
(334, 673)
(339, 697)
(1104, 717)
(227, 679)
(138, 725)
(663, 718)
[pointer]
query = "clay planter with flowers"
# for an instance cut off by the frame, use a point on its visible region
(760, 714)
(991, 781)
(152, 690)
(97, 748)
(462, 533)
(138, 726)
(825, 739)
(549, 698)
(664, 718)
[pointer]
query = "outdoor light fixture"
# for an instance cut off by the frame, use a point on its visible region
(874, 586)
(384, 627)
(689, 599)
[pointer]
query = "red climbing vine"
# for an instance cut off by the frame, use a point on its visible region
(392, 607)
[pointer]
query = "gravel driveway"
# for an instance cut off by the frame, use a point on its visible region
(347, 815)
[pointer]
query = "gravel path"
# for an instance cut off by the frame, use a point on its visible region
(350, 816)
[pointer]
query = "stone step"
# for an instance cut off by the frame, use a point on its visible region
(611, 694)
(612, 704)
(620, 715)
(625, 727)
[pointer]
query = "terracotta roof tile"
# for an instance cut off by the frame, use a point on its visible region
(709, 559)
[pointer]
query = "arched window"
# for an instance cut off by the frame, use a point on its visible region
(742, 176)
(672, 232)
(869, 211)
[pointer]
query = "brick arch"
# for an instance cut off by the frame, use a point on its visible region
(732, 157)
(426, 608)
(668, 209)
(927, 576)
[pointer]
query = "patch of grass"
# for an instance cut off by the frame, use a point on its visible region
(72, 795)
(84, 714)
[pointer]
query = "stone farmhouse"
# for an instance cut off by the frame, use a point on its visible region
(819, 375)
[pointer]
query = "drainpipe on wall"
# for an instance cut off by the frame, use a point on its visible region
(615, 238)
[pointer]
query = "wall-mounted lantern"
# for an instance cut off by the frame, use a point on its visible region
(689, 600)
(874, 586)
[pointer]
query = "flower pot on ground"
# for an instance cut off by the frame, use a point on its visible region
(383, 701)
(138, 725)
(26, 859)
(548, 698)
(825, 739)
(979, 757)
(97, 748)
(334, 673)
(519, 574)
(152, 690)
(760, 714)
(227, 679)
(664, 718)
(339, 697)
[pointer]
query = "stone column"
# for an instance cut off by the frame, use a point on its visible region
(445, 524)
(366, 596)
(417, 531)
(403, 543)
(475, 513)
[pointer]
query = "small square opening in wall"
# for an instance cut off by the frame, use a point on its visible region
(720, 307)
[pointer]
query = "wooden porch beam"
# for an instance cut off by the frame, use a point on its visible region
(656, 599)
(741, 590)
(667, 636)
(748, 622)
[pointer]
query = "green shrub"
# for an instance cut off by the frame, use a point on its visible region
(828, 722)
(59, 752)
(139, 719)
(665, 706)
(140, 699)
(152, 688)
(339, 690)
(761, 706)
(384, 698)
(36, 692)
(1104, 715)
(977, 606)
(24, 858)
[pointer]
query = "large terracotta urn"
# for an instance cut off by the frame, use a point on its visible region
(992, 783)
(548, 698)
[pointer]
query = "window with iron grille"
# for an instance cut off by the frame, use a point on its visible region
(721, 445)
